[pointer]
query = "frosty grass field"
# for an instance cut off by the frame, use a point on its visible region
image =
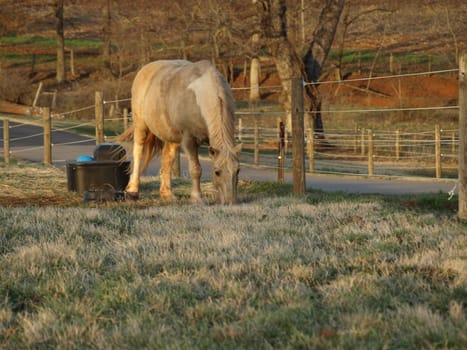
(276, 271)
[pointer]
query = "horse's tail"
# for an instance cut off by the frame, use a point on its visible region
(152, 145)
(152, 148)
(127, 134)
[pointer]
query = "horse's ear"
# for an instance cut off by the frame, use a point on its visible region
(238, 148)
(213, 152)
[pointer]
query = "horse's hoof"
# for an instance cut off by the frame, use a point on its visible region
(197, 201)
(133, 196)
(169, 199)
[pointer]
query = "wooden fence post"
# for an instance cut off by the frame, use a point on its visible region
(298, 136)
(125, 118)
(355, 140)
(311, 149)
(437, 151)
(281, 156)
(362, 141)
(6, 140)
(398, 145)
(38, 93)
(463, 137)
(54, 100)
(72, 62)
(391, 63)
(256, 143)
(99, 111)
(453, 142)
(47, 137)
(370, 153)
(240, 127)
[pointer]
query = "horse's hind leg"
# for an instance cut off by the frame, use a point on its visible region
(168, 154)
(139, 137)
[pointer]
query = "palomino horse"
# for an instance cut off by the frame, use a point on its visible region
(179, 102)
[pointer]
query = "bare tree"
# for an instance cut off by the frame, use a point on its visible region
(452, 33)
(61, 73)
(273, 15)
(254, 66)
(274, 33)
(184, 27)
(351, 15)
(106, 33)
(317, 54)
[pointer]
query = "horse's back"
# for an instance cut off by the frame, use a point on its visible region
(152, 73)
(171, 97)
(145, 76)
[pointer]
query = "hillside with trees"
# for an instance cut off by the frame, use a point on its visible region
(77, 47)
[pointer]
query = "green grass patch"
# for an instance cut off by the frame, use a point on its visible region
(49, 42)
(351, 56)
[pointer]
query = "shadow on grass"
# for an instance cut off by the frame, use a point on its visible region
(251, 191)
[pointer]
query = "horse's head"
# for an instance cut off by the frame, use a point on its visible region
(225, 169)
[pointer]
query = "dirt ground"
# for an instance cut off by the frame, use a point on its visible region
(406, 91)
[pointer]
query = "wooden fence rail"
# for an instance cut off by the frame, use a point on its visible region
(272, 146)
(361, 144)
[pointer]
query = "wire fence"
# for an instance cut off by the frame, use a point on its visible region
(359, 151)
(356, 151)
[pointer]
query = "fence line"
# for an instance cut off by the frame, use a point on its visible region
(73, 127)
(70, 143)
(62, 114)
(16, 126)
(27, 137)
(353, 144)
(116, 101)
(264, 142)
(261, 113)
(264, 87)
(385, 109)
(383, 77)
(22, 150)
(387, 149)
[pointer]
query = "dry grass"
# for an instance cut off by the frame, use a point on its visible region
(276, 271)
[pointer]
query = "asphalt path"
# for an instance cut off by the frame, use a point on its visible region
(27, 143)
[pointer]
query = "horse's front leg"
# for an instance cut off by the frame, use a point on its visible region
(168, 154)
(191, 149)
(139, 137)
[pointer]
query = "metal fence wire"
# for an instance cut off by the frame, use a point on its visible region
(358, 151)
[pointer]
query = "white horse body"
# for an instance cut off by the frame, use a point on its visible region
(179, 102)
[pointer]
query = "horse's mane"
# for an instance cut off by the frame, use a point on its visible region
(217, 107)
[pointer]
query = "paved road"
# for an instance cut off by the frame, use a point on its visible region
(27, 147)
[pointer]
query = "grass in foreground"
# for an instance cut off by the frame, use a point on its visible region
(277, 271)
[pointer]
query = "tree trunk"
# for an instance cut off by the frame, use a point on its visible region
(272, 14)
(255, 69)
(273, 18)
(317, 54)
(255, 65)
(60, 41)
(106, 49)
(254, 79)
